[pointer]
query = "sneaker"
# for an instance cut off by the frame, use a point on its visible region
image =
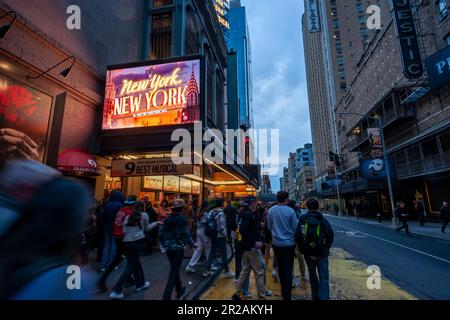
(229, 274)
(246, 294)
(190, 270)
(268, 293)
(144, 287)
(214, 268)
(236, 297)
(275, 276)
(181, 293)
(116, 296)
(103, 269)
(207, 274)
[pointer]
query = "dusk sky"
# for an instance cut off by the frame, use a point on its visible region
(279, 79)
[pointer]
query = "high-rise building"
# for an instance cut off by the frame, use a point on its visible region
(335, 35)
(240, 42)
(222, 8)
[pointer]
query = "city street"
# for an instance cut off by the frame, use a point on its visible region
(417, 264)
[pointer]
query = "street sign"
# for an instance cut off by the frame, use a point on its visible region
(438, 68)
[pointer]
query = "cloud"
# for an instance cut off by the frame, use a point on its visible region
(280, 99)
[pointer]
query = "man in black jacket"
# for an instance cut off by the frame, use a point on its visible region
(445, 215)
(402, 214)
(315, 243)
(249, 242)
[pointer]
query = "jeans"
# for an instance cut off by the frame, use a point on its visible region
(133, 251)
(252, 260)
(175, 259)
(221, 245)
(301, 261)
(318, 277)
(285, 263)
(203, 244)
(445, 224)
(404, 226)
(109, 250)
(238, 266)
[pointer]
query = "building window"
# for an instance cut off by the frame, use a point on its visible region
(443, 10)
(162, 3)
(161, 36)
(192, 43)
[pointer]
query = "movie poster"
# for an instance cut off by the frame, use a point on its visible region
(150, 96)
(23, 110)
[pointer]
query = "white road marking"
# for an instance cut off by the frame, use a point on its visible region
(401, 245)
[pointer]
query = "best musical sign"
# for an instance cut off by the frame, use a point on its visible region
(149, 167)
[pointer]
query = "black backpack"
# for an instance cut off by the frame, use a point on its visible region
(314, 239)
(211, 224)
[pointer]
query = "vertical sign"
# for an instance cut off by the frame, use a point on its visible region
(376, 147)
(407, 36)
(313, 16)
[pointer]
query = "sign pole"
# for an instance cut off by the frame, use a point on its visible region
(388, 171)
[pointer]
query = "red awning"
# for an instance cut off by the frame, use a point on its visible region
(77, 162)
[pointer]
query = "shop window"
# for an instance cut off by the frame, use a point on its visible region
(161, 36)
(430, 148)
(162, 3)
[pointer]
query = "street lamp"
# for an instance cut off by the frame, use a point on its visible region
(383, 143)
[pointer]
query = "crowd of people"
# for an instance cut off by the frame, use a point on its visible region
(250, 229)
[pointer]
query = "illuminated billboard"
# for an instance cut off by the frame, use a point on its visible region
(152, 95)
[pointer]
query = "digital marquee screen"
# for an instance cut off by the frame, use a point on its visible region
(153, 95)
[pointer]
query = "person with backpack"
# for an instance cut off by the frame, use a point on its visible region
(445, 215)
(216, 230)
(239, 252)
(402, 214)
(203, 242)
(118, 234)
(315, 243)
(134, 227)
(108, 216)
(250, 243)
(282, 223)
(174, 237)
(300, 259)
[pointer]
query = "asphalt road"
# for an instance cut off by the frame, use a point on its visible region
(419, 265)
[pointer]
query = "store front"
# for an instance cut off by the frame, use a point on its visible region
(145, 103)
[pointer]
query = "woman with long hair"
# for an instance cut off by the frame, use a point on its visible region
(203, 242)
(134, 229)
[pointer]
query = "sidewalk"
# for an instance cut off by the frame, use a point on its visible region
(430, 229)
(348, 281)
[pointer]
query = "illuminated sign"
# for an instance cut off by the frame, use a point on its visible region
(313, 16)
(438, 68)
(407, 36)
(149, 167)
(153, 95)
(222, 7)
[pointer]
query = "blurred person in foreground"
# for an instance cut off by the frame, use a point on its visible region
(42, 217)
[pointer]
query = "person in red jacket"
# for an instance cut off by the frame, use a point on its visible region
(118, 234)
